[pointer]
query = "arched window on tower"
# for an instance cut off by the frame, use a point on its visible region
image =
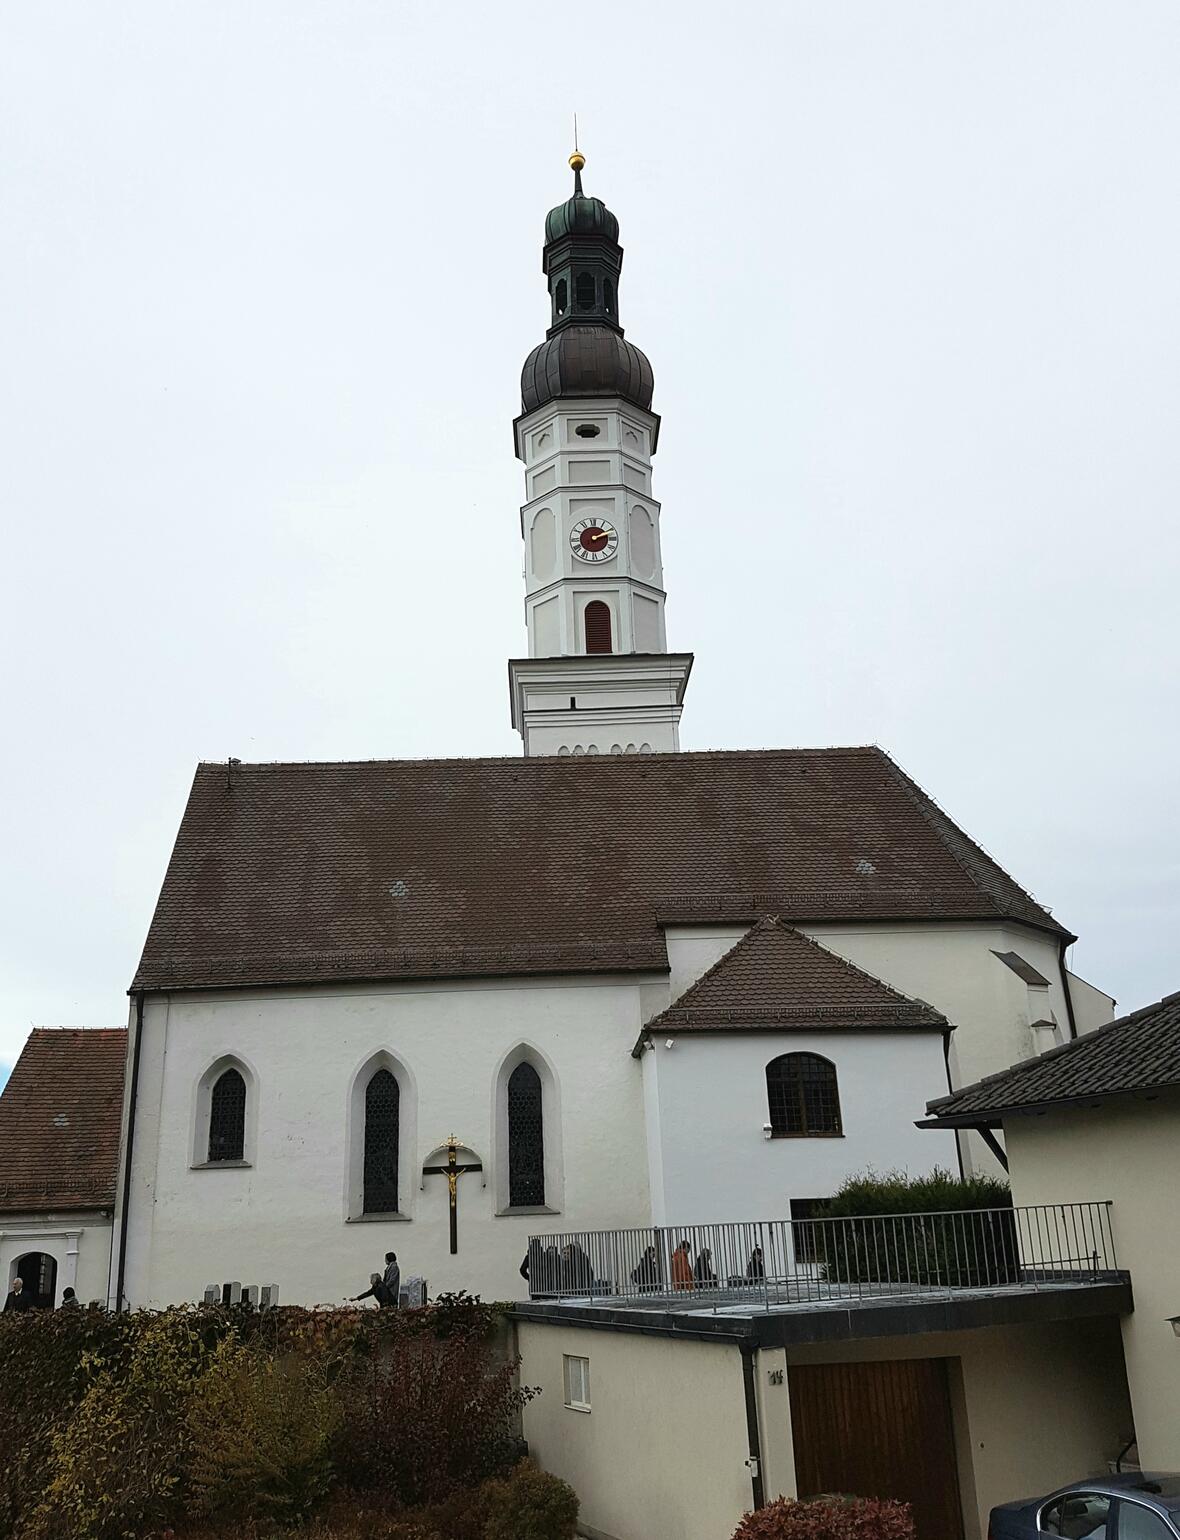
(227, 1117)
(561, 297)
(526, 1138)
(382, 1118)
(608, 296)
(597, 621)
(803, 1097)
(584, 290)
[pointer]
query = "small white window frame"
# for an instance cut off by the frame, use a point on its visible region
(575, 1370)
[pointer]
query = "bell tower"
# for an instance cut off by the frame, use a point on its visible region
(598, 678)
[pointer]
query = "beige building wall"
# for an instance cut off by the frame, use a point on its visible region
(1128, 1152)
(662, 1451)
(1034, 1406)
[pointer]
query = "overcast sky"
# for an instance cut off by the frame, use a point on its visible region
(907, 274)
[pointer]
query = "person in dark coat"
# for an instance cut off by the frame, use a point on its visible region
(392, 1281)
(69, 1300)
(376, 1290)
(756, 1268)
(702, 1272)
(647, 1276)
(577, 1273)
(19, 1299)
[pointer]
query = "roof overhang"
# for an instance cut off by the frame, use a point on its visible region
(994, 1117)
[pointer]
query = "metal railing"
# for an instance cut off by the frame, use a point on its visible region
(784, 1261)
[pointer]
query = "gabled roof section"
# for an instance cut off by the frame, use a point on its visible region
(60, 1115)
(1138, 1053)
(776, 978)
(302, 873)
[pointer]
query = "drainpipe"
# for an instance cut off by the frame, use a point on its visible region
(946, 1059)
(134, 1097)
(1073, 1026)
(748, 1351)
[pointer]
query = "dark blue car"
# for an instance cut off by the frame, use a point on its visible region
(1134, 1506)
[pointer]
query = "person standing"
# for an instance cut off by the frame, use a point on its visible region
(681, 1267)
(392, 1282)
(69, 1300)
(19, 1299)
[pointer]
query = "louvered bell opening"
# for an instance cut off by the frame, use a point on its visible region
(598, 637)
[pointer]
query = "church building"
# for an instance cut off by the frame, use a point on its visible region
(432, 1007)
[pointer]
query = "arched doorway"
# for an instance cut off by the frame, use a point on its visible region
(39, 1272)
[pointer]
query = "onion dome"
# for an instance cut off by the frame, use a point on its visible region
(584, 352)
(586, 361)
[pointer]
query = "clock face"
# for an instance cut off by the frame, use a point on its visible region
(594, 540)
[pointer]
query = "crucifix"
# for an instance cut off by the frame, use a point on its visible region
(452, 1170)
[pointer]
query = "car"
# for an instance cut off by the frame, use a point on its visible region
(1134, 1505)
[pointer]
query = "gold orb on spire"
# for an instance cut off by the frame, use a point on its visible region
(577, 160)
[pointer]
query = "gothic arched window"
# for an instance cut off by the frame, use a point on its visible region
(526, 1138)
(561, 297)
(597, 622)
(584, 290)
(227, 1116)
(803, 1097)
(382, 1109)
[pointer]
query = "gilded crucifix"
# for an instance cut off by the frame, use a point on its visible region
(453, 1170)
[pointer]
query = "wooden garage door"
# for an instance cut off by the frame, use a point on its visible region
(879, 1430)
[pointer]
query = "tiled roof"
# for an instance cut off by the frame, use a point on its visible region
(288, 873)
(777, 978)
(1139, 1052)
(59, 1120)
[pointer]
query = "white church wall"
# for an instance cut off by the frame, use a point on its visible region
(1092, 1007)
(716, 1163)
(952, 966)
(284, 1217)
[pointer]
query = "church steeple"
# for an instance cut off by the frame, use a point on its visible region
(599, 678)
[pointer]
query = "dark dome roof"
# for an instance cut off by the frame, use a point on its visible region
(586, 361)
(580, 215)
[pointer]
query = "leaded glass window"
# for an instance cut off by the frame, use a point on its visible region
(382, 1107)
(526, 1138)
(227, 1117)
(804, 1100)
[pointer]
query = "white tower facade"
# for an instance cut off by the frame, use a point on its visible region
(598, 678)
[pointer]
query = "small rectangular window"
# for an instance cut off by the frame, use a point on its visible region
(577, 1383)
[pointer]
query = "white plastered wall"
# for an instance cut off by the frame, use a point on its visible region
(281, 1218)
(80, 1244)
(950, 965)
(662, 1450)
(1128, 1152)
(708, 1092)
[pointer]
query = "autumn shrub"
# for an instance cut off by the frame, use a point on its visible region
(530, 1504)
(260, 1430)
(856, 1518)
(116, 1458)
(429, 1418)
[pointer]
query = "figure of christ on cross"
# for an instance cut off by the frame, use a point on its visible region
(452, 1170)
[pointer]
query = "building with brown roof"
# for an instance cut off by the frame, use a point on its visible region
(394, 1005)
(59, 1144)
(1103, 1114)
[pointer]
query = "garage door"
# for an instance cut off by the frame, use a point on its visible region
(879, 1430)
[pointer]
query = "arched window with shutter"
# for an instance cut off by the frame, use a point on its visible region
(227, 1117)
(803, 1097)
(382, 1119)
(608, 296)
(561, 301)
(584, 291)
(597, 622)
(526, 1138)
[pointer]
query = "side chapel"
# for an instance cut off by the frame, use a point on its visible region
(429, 1007)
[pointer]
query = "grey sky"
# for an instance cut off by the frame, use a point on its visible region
(907, 276)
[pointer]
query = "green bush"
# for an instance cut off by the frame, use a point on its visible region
(926, 1231)
(530, 1505)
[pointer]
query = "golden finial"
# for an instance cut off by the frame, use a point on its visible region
(577, 160)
